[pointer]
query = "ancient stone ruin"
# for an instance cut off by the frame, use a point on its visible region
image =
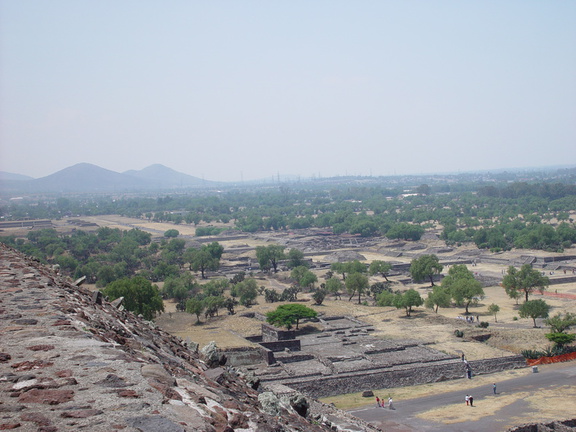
(345, 357)
(71, 361)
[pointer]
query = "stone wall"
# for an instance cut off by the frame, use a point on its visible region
(400, 377)
(243, 356)
(292, 345)
(273, 334)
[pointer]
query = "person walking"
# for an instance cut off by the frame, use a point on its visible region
(467, 399)
(377, 401)
(471, 401)
(494, 388)
(390, 406)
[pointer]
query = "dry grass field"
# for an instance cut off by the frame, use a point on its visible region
(508, 335)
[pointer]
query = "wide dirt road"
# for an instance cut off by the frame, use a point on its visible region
(547, 395)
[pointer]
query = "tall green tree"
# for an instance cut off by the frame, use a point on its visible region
(296, 259)
(140, 296)
(534, 309)
(526, 280)
(408, 300)
(303, 277)
(380, 267)
(202, 260)
(438, 297)
(195, 306)
(246, 291)
(215, 249)
(334, 286)
(425, 267)
(356, 283)
(463, 287)
(269, 256)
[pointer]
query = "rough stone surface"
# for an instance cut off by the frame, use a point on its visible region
(69, 363)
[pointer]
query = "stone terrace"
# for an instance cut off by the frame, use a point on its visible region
(346, 358)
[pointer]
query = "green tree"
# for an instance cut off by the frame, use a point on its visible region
(269, 256)
(425, 267)
(408, 300)
(319, 296)
(195, 306)
(534, 309)
(334, 286)
(380, 267)
(202, 261)
(289, 314)
(303, 276)
(438, 297)
(246, 291)
(463, 287)
(386, 298)
(215, 288)
(526, 280)
(140, 296)
(560, 323)
(493, 309)
(212, 304)
(405, 231)
(296, 259)
(171, 233)
(356, 283)
(560, 339)
(510, 283)
(215, 249)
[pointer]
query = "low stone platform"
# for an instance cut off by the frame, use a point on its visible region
(346, 358)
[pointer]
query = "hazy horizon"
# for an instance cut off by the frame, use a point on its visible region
(288, 176)
(231, 91)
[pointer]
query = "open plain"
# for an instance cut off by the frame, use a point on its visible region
(507, 334)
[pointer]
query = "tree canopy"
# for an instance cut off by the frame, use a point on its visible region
(407, 300)
(356, 283)
(462, 286)
(140, 296)
(438, 297)
(269, 256)
(289, 314)
(425, 267)
(380, 267)
(534, 309)
(526, 280)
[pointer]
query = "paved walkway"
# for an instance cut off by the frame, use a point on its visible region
(403, 417)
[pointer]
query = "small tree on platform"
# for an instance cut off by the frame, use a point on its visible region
(289, 314)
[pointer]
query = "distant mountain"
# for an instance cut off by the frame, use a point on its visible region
(89, 178)
(85, 177)
(163, 177)
(6, 176)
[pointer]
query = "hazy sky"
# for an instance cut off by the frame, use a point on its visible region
(230, 90)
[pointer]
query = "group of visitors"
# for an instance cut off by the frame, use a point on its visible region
(468, 319)
(381, 403)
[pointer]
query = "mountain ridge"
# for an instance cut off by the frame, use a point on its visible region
(89, 178)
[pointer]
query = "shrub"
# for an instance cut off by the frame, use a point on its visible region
(458, 333)
(483, 324)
